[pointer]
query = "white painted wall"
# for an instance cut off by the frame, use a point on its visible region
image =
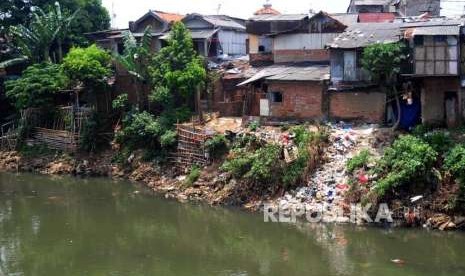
(303, 41)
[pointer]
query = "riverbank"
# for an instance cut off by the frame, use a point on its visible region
(327, 185)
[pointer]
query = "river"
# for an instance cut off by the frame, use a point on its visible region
(67, 226)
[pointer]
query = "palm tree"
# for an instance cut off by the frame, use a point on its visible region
(136, 57)
(46, 29)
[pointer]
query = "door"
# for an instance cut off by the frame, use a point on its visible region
(264, 107)
(350, 73)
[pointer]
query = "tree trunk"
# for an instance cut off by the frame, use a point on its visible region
(136, 85)
(199, 104)
(47, 54)
(60, 51)
(399, 111)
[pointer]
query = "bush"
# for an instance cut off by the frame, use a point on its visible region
(90, 139)
(37, 86)
(408, 159)
(254, 125)
(193, 175)
(89, 65)
(239, 164)
(265, 164)
(440, 141)
(454, 162)
(217, 146)
(358, 161)
(121, 102)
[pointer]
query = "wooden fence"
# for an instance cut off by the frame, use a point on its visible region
(62, 131)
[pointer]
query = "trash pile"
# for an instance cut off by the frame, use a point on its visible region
(326, 187)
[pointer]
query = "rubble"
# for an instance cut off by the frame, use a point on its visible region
(328, 184)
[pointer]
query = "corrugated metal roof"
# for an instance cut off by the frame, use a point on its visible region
(279, 17)
(364, 34)
(295, 72)
(436, 30)
(376, 17)
(346, 18)
(222, 21)
(135, 35)
(372, 2)
(195, 34)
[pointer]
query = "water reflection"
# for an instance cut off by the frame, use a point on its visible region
(64, 226)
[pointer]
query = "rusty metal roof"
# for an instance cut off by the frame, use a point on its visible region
(279, 17)
(364, 34)
(291, 72)
(436, 30)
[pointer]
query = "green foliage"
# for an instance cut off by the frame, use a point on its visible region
(383, 60)
(239, 164)
(193, 176)
(90, 138)
(89, 65)
(177, 68)
(121, 102)
(137, 55)
(168, 139)
(265, 163)
(36, 39)
(408, 159)
(92, 16)
(254, 125)
(455, 164)
(139, 128)
(358, 161)
(217, 146)
(439, 140)
(37, 86)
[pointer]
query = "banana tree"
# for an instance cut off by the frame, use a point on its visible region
(136, 58)
(45, 30)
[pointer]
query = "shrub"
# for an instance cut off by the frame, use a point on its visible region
(358, 161)
(254, 125)
(168, 139)
(193, 175)
(408, 159)
(90, 139)
(217, 146)
(440, 141)
(265, 163)
(454, 162)
(37, 86)
(121, 102)
(239, 164)
(89, 65)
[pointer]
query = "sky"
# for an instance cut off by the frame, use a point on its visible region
(131, 10)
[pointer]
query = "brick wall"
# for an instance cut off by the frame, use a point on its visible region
(260, 59)
(364, 106)
(281, 56)
(299, 100)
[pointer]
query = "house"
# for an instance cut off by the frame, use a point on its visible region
(399, 7)
(372, 6)
(435, 69)
(289, 92)
(352, 94)
(291, 37)
(159, 23)
(216, 35)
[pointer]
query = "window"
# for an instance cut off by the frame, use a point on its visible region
(261, 49)
(436, 55)
(276, 97)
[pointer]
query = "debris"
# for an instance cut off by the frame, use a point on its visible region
(416, 198)
(398, 261)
